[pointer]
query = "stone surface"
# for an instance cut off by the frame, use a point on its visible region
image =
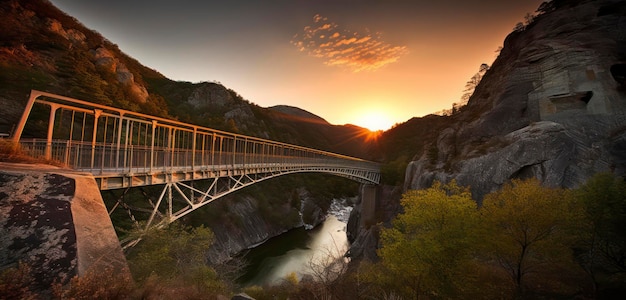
(207, 94)
(55, 221)
(363, 238)
(105, 59)
(251, 228)
(552, 106)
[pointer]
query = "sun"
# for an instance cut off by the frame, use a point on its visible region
(374, 121)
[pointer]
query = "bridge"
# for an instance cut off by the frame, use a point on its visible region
(124, 149)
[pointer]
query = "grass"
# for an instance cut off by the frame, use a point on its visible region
(13, 153)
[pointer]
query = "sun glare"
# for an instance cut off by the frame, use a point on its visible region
(374, 121)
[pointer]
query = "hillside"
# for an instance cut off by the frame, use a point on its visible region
(47, 50)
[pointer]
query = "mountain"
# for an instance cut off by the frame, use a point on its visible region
(552, 106)
(45, 49)
(300, 113)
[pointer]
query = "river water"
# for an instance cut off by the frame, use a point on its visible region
(298, 249)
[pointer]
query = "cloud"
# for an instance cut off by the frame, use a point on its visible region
(338, 47)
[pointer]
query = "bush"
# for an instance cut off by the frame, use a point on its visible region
(100, 284)
(17, 283)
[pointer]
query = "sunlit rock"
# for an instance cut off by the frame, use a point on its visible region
(552, 106)
(56, 223)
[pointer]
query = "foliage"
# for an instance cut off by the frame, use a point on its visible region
(519, 244)
(176, 256)
(170, 252)
(471, 85)
(528, 228)
(468, 91)
(17, 283)
(408, 141)
(10, 152)
(96, 284)
(392, 173)
(603, 250)
(427, 249)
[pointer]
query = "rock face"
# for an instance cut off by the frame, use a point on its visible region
(210, 95)
(251, 228)
(363, 236)
(106, 60)
(552, 106)
(55, 222)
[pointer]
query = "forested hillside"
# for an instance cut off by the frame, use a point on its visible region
(47, 50)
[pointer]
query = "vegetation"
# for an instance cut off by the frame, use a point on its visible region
(10, 152)
(528, 229)
(427, 250)
(526, 241)
(602, 249)
(468, 91)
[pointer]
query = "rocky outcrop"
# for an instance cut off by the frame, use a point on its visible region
(72, 35)
(249, 226)
(542, 150)
(106, 60)
(210, 95)
(552, 106)
(363, 236)
(55, 221)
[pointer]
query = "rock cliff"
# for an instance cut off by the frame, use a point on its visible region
(552, 106)
(246, 227)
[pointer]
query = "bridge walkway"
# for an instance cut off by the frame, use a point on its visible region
(124, 149)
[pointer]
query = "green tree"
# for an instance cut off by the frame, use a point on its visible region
(602, 251)
(176, 255)
(427, 250)
(527, 229)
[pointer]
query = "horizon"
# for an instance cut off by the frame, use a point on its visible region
(373, 64)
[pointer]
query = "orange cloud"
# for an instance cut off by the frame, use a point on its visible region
(356, 51)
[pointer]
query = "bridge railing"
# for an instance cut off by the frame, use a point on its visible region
(102, 139)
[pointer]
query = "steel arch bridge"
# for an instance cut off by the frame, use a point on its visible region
(124, 149)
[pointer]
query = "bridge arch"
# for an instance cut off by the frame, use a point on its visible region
(124, 149)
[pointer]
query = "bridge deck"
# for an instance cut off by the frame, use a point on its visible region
(124, 149)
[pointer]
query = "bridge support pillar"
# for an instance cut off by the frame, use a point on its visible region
(55, 221)
(368, 205)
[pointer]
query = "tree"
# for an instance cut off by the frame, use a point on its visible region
(471, 85)
(429, 245)
(519, 27)
(602, 251)
(527, 227)
(175, 255)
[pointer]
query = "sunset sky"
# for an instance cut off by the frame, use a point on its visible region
(372, 63)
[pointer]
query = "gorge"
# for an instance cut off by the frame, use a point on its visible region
(552, 106)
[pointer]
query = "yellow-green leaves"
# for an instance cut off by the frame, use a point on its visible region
(527, 228)
(442, 245)
(429, 244)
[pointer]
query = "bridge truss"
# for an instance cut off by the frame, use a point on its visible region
(124, 149)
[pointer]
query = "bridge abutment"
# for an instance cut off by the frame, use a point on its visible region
(368, 205)
(55, 221)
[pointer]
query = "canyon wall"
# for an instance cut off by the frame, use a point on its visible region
(552, 106)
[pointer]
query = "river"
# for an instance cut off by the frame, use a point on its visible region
(298, 249)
